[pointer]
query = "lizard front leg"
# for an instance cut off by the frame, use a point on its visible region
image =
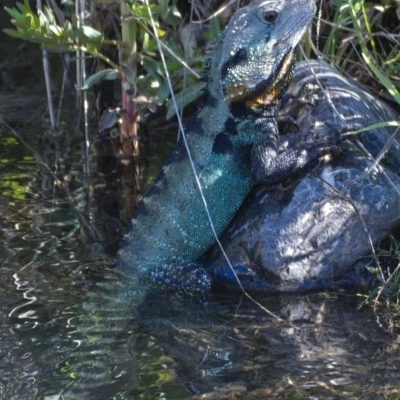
(274, 159)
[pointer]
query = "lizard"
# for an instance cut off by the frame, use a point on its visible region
(234, 143)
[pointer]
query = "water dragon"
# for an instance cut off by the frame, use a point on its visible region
(233, 141)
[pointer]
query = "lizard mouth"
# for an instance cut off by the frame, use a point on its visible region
(265, 93)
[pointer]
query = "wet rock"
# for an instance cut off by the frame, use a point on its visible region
(310, 232)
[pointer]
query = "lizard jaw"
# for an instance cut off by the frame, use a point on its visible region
(265, 93)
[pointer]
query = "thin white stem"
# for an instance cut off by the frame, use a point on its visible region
(48, 83)
(85, 100)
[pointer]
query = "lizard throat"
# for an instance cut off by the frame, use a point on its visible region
(268, 95)
(274, 91)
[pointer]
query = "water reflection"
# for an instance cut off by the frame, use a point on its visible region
(325, 347)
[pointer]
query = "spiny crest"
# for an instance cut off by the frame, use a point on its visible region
(210, 52)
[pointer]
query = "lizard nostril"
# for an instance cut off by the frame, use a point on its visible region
(241, 54)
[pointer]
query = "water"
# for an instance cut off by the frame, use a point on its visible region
(51, 251)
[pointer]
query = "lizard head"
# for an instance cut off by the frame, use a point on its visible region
(256, 52)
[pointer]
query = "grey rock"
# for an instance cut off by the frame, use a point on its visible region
(310, 232)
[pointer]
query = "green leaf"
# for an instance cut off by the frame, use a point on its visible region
(175, 12)
(164, 8)
(13, 12)
(68, 31)
(92, 48)
(149, 45)
(16, 34)
(146, 41)
(34, 19)
(146, 85)
(151, 65)
(129, 74)
(103, 75)
(108, 119)
(163, 92)
(25, 8)
(50, 15)
(55, 30)
(91, 33)
(43, 21)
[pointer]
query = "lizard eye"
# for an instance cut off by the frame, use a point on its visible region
(270, 16)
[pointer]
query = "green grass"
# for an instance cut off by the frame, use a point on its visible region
(362, 39)
(387, 276)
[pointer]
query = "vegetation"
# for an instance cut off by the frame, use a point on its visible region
(360, 37)
(138, 47)
(388, 276)
(364, 41)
